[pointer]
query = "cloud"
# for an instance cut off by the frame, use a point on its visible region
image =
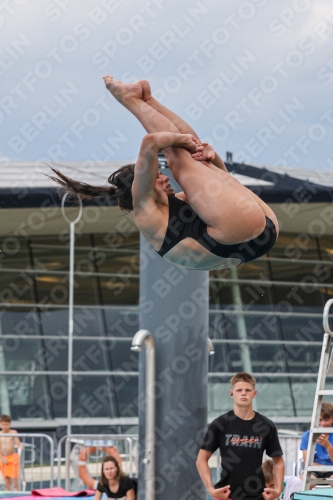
(204, 59)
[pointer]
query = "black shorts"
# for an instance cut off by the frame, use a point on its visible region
(322, 475)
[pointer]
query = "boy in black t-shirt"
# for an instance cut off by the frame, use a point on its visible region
(242, 436)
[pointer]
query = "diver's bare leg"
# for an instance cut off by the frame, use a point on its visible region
(130, 96)
(182, 125)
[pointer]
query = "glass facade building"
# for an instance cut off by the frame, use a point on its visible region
(265, 317)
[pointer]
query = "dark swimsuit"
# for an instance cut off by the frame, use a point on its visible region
(185, 223)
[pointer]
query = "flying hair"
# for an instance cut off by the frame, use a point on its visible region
(120, 185)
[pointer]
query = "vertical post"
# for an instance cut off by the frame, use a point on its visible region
(70, 327)
(4, 396)
(70, 308)
(174, 308)
(150, 450)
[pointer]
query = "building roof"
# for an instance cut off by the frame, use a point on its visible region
(26, 184)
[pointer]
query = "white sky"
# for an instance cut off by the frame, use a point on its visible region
(253, 77)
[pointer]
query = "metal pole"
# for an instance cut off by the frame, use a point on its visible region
(70, 327)
(70, 308)
(144, 336)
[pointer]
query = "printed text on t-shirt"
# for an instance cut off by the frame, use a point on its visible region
(237, 440)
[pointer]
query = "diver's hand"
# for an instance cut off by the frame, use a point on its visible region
(204, 152)
(186, 141)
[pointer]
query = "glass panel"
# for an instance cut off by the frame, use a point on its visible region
(119, 239)
(52, 289)
(82, 240)
(295, 246)
(257, 269)
(302, 329)
(304, 387)
(110, 258)
(274, 396)
(234, 326)
(122, 323)
(58, 394)
(33, 354)
(120, 290)
(26, 397)
(55, 321)
(220, 295)
(219, 400)
(303, 358)
(254, 270)
(299, 299)
(247, 357)
(119, 323)
(253, 295)
(115, 290)
(104, 355)
(111, 396)
(14, 253)
(305, 273)
(18, 321)
(52, 258)
(326, 247)
(16, 288)
(124, 261)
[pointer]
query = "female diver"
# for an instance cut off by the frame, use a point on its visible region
(215, 223)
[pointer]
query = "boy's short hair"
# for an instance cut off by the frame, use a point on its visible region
(326, 411)
(243, 377)
(5, 418)
(267, 468)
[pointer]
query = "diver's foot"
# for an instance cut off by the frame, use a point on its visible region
(122, 91)
(146, 91)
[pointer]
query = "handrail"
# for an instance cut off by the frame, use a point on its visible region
(325, 317)
(68, 438)
(141, 337)
(37, 435)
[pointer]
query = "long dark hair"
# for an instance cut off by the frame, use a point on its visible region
(103, 481)
(121, 185)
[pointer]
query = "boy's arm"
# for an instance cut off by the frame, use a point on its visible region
(206, 477)
(278, 471)
(323, 440)
(304, 455)
(204, 470)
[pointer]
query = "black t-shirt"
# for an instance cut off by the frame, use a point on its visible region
(125, 485)
(242, 444)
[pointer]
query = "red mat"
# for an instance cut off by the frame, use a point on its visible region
(60, 492)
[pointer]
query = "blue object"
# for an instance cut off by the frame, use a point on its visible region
(321, 455)
(316, 494)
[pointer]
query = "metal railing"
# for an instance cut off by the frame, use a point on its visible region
(70, 447)
(36, 457)
(35, 460)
